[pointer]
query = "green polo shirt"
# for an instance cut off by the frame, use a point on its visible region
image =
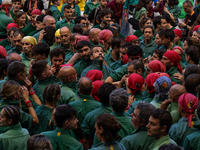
(6, 44)
(67, 95)
(13, 16)
(40, 85)
(28, 29)
(180, 130)
(172, 71)
(116, 64)
(173, 109)
(55, 12)
(95, 65)
(192, 141)
(99, 27)
(26, 61)
(163, 140)
(138, 33)
(109, 59)
(53, 46)
(63, 23)
(62, 140)
(74, 87)
(88, 125)
(36, 36)
(5, 20)
(33, 33)
(14, 50)
(197, 9)
(175, 10)
(44, 114)
(81, 65)
(105, 52)
(25, 118)
(14, 138)
(84, 105)
(147, 49)
(67, 51)
(89, 6)
(137, 14)
(157, 101)
(163, 47)
(138, 140)
(76, 8)
(112, 145)
(69, 56)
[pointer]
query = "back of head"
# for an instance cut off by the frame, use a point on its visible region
(49, 37)
(15, 68)
(193, 68)
(116, 26)
(157, 20)
(117, 41)
(85, 86)
(160, 52)
(119, 100)
(63, 113)
(40, 18)
(137, 65)
(193, 52)
(166, 16)
(78, 19)
(39, 67)
(134, 50)
(170, 147)
(192, 82)
(39, 142)
(41, 48)
(78, 28)
(104, 92)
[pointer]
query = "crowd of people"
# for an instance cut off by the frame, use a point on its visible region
(99, 75)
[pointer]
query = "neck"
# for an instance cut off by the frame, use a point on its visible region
(169, 26)
(191, 62)
(147, 42)
(71, 4)
(106, 46)
(101, 7)
(68, 20)
(14, 12)
(67, 46)
(21, 25)
(29, 55)
(49, 105)
(115, 55)
(170, 46)
(103, 25)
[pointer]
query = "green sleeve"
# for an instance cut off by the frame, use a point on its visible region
(57, 25)
(186, 144)
(56, 15)
(86, 9)
(126, 143)
(177, 13)
(77, 11)
(85, 126)
(126, 4)
(26, 120)
(119, 73)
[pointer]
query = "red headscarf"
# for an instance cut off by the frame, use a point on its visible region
(135, 82)
(66, 65)
(188, 103)
(157, 66)
(178, 32)
(96, 85)
(36, 11)
(94, 75)
(150, 80)
(174, 58)
(104, 35)
(3, 52)
(125, 59)
(179, 48)
(196, 28)
(131, 38)
(10, 25)
(82, 38)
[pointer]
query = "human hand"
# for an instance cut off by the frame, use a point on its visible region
(25, 93)
(131, 99)
(165, 104)
(28, 83)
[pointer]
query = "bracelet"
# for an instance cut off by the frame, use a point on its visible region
(31, 92)
(127, 108)
(125, 14)
(28, 104)
(30, 72)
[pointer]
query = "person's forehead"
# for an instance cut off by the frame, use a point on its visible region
(131, 67)
(84, 47)
(58, 57)
(152, 119)
(68, 9)
(64, 32)
(25, 42)
(148, 29)
(97, 49)
(17, 37)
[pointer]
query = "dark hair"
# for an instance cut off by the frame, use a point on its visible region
(14, 68)
(110, 127)
(160, 52)
(72, 36)
(167, 33)
(188, 2)
(190, 69)
(193, 52)
(16, 1)
(104, 92)
(82, 44)
(104, 12)
(48, 12)
(137, 65)
(57, 52)
(67, 7)
(149, 26)
(86, 32)
(41, 48)
(142, 22)
(50, 94)
(3, 66)
(126, 45)
(17, 32)
(39, 67)
(78, 19)
(134, 50)
(118, 28)
(192, 82)
(53, 1)
(192, 42)
(117, 41)
(49, 37)
(78, 28)
(63, 112)
(145, 111)
(12, 112)
(39, 142)
(91, 50)
(40, 18)
(12, 29)
(141, 3)
(119, 100)
(114, 31)
(173, 2)
(157, 20)
(164, 117)
(166, 16)
(85, 85)
(170, 147)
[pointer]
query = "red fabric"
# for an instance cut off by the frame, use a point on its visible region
(82, 38)
(117, 9)
(10, 25)
(36, 11)
(174, 58)
(150, 80)
(125, 59)
(94, 75)
(179, 48)
(135, 82)
(66, 65)
(131, 38)
(188, 103)
(157, 66)
(196, 28)
(96, 85)
(104, 35)
(178, 32)
(3, 52)
(165, 74)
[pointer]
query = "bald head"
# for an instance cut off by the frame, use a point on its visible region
(85, 86)
(64, 29)
(94, 35)
(67, 74)
(65, 34)
(49, 21)
(13, 56)
(94, 31)
(176, 91)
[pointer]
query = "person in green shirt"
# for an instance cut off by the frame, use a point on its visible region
(55, 11)
(158, 127)
(42, 71)
(191, 55)
(67, 20)
(173, 9)
(88, 124)
(65, 120)
(89, 6)
(94, 36)
(142, 23)
(27, 44)
(97, 57)
(9, 139)
(140, 118)
(107, 128)
(86, 103)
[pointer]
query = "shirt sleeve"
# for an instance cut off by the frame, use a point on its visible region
(86, 9)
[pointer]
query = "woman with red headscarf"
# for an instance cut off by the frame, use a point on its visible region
(96, 85)
(94, 75)
(179, 50)
(155, 66)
